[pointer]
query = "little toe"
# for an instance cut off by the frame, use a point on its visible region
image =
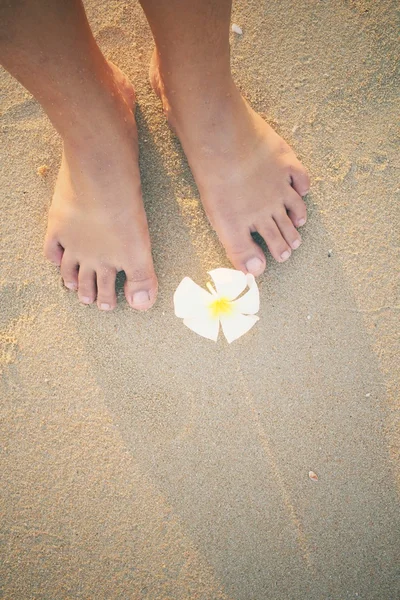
(277, 245)
(69, 271)
(86, 285)
(141, 288)
(296, 209)
(288, 231)
(106, 296)
(300, 178)
(243, 252)
(53, 251)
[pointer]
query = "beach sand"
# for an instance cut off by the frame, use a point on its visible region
(140, 461)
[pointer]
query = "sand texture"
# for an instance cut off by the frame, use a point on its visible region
(140, 461)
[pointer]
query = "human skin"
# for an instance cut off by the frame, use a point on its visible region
(248, 177)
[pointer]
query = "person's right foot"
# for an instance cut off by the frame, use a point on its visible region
(97, 224)
(248, 177)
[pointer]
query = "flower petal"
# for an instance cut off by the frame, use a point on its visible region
(204, 326)
(249, 303)
(190, 299)
(235, 327)
(228, 282)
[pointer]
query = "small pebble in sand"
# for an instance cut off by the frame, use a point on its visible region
(329, 253)
(367, 395)
(313, 476)
(308, 317)
(43, 170)
(237, 29)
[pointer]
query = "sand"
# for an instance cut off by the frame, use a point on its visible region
(140, 461)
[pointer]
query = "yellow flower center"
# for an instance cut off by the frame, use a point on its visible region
(219, 307)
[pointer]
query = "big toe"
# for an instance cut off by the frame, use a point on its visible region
(141, 288)
(244, 254)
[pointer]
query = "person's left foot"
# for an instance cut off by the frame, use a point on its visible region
(97, 223)
(248, 177)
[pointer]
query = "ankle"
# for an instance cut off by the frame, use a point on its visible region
(93, 104)
(184, 85)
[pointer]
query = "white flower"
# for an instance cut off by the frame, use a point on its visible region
(203, 311)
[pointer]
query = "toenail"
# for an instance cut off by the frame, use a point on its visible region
(285, 255)
(140, 297)
(70, 285)
(105, 306)
(296, 244)
(86, 300)
(254, 265)
(301, 222)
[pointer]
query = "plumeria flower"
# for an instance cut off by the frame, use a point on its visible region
(203, 311)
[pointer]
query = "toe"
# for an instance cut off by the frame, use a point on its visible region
(86, 285)
(106, 296)
(277, 245)
(296, 209)
(300, 178)
(288, 231)
(53, 251)
(69, 271)
(244, 254)
(141, 288)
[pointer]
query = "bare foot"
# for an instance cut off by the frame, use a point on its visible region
(249, 179)
(97, 224)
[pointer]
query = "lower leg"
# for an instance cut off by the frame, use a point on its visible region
(248, 177)
(97, 225)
